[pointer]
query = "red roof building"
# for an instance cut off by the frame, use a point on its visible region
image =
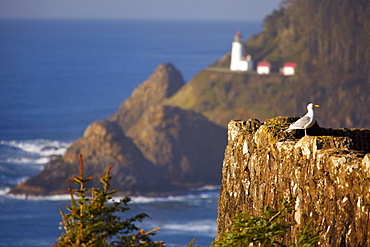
(289, 69)
(263, 68)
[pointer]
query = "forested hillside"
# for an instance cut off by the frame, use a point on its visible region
(331, 35)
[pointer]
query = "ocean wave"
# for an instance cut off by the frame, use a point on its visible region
(36, 151)
(176, 198)
(61, 197)
(204, 227)
(23, 160)
(42, 147)
(134, 199)
(208, 187)
(4, 191)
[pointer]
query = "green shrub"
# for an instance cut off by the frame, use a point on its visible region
(95, 222)
(265, 230)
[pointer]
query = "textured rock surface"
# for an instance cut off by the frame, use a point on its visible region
(329, 176)
(162, 84)
(185, 144)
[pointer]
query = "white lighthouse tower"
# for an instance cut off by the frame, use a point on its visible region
(238, 60)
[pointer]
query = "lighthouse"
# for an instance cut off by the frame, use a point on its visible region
(239, 62)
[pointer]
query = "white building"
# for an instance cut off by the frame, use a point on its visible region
(289, 69)
(239, 62)
(263, 68)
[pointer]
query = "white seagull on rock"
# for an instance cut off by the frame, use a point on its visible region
(306, 121)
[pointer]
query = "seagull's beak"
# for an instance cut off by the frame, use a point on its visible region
(316, 105)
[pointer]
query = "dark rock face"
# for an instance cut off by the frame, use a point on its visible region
(162, 84)
(328, 174)
(185, 144)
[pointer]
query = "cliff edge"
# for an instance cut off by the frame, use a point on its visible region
(328, 173)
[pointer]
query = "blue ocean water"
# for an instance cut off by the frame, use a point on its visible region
(57, 76)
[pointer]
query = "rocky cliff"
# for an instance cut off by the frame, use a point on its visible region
(328, 173)
(155, 149)
(187, 146)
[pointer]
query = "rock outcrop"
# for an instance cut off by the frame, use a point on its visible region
(185, 144)
(102, 145)
(328, 174)
(154, 149)
(162, 84)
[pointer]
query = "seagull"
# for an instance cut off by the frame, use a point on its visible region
(306, 121)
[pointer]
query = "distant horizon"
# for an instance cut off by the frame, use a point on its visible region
(129, 19)
(140, 9)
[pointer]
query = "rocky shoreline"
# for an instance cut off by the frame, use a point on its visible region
(155, 149)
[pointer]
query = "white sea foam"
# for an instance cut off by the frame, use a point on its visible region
(23, 160)
(4, 191)
(204, 227)
(134, 199)
(208, 187)
(62, 197)
(42, 147)
(198, 227)
(177, 198)
(36, 151)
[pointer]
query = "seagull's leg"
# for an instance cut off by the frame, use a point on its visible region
(305, 132)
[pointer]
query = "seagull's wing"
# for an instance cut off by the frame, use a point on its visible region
(301, 123)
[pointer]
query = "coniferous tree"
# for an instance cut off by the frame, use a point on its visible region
(95, 221)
